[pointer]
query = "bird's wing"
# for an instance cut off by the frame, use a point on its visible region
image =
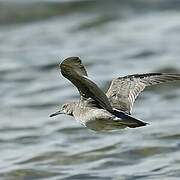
(124, 90)
(73, 70)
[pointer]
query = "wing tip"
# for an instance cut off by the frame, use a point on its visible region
(128, 120)
(138, 124)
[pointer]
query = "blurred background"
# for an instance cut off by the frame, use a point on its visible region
(113, 38)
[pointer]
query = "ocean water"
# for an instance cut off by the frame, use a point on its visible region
(113, 38)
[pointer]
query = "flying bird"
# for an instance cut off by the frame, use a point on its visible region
(101, 111)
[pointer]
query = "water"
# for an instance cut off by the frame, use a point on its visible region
(113, 38)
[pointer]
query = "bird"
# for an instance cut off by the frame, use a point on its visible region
(100, 111)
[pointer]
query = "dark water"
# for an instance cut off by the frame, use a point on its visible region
(113, 38)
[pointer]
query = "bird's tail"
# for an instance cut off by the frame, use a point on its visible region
(128, 120)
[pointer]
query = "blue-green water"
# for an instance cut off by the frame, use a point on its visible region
(113, 38)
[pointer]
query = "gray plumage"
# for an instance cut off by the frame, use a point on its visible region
(123, 91)
(99, 111)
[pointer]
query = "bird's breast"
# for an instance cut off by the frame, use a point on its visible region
(93, 118)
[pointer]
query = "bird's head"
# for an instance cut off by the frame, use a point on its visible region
(65, 109)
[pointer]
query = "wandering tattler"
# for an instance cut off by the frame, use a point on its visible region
(99, 111)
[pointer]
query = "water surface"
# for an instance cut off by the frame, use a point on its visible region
(113, 38)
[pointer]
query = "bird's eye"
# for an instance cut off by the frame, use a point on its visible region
(64, 106)
(78, 60)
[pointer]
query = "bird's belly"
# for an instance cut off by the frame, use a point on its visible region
(104, 125)
(98, 120)
(98, 125)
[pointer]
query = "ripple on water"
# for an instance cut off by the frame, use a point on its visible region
(113, 38)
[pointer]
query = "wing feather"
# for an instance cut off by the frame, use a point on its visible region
(73, 70)
(123, 91)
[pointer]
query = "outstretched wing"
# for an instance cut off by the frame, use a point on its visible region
(73, 70)
(124, 90)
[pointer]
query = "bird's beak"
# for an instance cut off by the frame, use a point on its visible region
(56, 113)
